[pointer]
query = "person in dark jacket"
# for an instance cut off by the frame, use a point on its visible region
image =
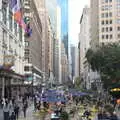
(6, 110)
(25, 105)
(13, 117)
(113, 116)
(100, 116)
(16, 111)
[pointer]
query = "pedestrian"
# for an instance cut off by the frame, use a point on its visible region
(11, 109)
(99, 116)
(25, 105)
(87, 114)
(13, 117)
(35, 103)
(104, 115)
(113, 116)
(6, 111)
(16, 111)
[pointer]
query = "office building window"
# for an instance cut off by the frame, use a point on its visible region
(26, 43)
(110, 21)
(106, 29)
(102, 22)
(15, 27)
(110, 14)
(110, 28)
(103, 37)
(102, 15)
(4, 36)
(26, 68)
(111, 36)
(4, 15)
(102, 29)
(118, 28)
(27, 52)
(118, 35)
(106, 15)
(106, 21)
(106, 36)
(10, 20)
(118, 21)
(27, 60)
(106, 1)
(20, 33)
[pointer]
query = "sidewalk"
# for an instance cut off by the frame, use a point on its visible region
(1, 114)
(29, 115)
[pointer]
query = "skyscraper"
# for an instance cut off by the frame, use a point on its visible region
(105, 21)
(64, 16)
(64, 22)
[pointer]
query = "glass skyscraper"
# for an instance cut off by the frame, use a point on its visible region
(64, 22)
(64, 16)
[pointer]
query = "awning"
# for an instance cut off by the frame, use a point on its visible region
(10, 73)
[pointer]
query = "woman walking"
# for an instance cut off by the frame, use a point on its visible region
(25, 105)
(6, 111)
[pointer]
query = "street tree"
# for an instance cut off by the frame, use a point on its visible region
(78, 82)
(106, 60)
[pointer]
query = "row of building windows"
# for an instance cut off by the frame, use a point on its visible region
(4, 18)
(109, 7)
(106, 1)
(106, 7)
(103, 22)
(107, 36)
(106, 15)
(107, 29)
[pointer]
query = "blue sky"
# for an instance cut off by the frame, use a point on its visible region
(64, 16)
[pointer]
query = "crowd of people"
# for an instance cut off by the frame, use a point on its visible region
(13, 107)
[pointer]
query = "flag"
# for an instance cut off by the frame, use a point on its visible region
(15, 6)
(28, 30)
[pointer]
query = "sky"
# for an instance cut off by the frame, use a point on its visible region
(64, 16)
(74, 14)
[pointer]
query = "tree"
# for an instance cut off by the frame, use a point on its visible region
(106, 60)
(78, 82)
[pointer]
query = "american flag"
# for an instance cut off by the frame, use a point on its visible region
(15, 6)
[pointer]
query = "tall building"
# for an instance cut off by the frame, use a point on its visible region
(33, 45)
(11, 53)
(74, 59)
(64, 65)
(43, 14)
(57, 61)
(106, 19)
(86, 73)
(64, 17)
(94, 22)
(51, 7)
(64, 22)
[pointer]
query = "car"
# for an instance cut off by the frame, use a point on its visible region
(54, 116)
